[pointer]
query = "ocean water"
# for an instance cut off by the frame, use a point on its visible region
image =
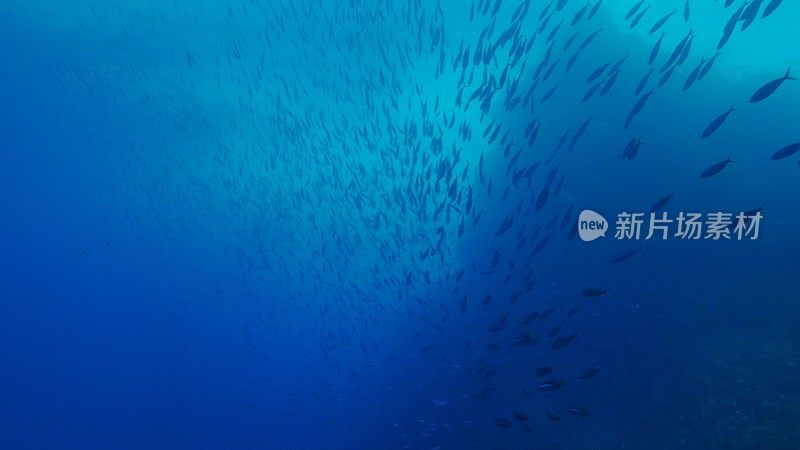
(355, 225)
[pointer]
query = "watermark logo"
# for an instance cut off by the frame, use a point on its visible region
(591, 225)
(685, 226)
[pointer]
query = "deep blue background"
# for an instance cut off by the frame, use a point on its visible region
(190, 261)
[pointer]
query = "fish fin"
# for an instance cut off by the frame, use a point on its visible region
(788, 75)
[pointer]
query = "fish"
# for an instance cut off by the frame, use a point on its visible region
(594, 10)
(750, 13)
(545, 10)
(502, 423)
(716, 123)
(686, 11)
(660, 22)
(554, 331)
(553, 33)
(634, 9)
(624, 255)
(590, 92)
(715, 168)
(615, 68)
(578, 412)
(573, 311)
(541, 200)
(771, 7)
(677, 52)
(578, 133)
(666, 76)
(541, 245)
(685, 51)
(499, 325)
(528, 318)
(548, 94)
(768, 89)
(573, 231)
(567, 217)
(543, 371)
(730, 26)
(563, 341)
(523, 338)
(589, 39)
(786, 152)
(551, 385)
(496, 8)
(508, 222)
(692, 78)
(597, 72)
(520, 417)
(589, 373)
(594, 292)
(639, 17)
(570, 41)
(656, 48)
(553, 417)
(707, 67)
(609, 83)
(579, 14)
(637, 107)
(643, 82)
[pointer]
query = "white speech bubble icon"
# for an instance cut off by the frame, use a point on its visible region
(591, 225)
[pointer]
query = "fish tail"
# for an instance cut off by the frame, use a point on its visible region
(788, 75)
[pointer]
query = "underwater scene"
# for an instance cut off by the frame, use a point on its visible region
(400, 224)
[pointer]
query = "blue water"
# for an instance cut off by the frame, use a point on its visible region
(239, 225)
